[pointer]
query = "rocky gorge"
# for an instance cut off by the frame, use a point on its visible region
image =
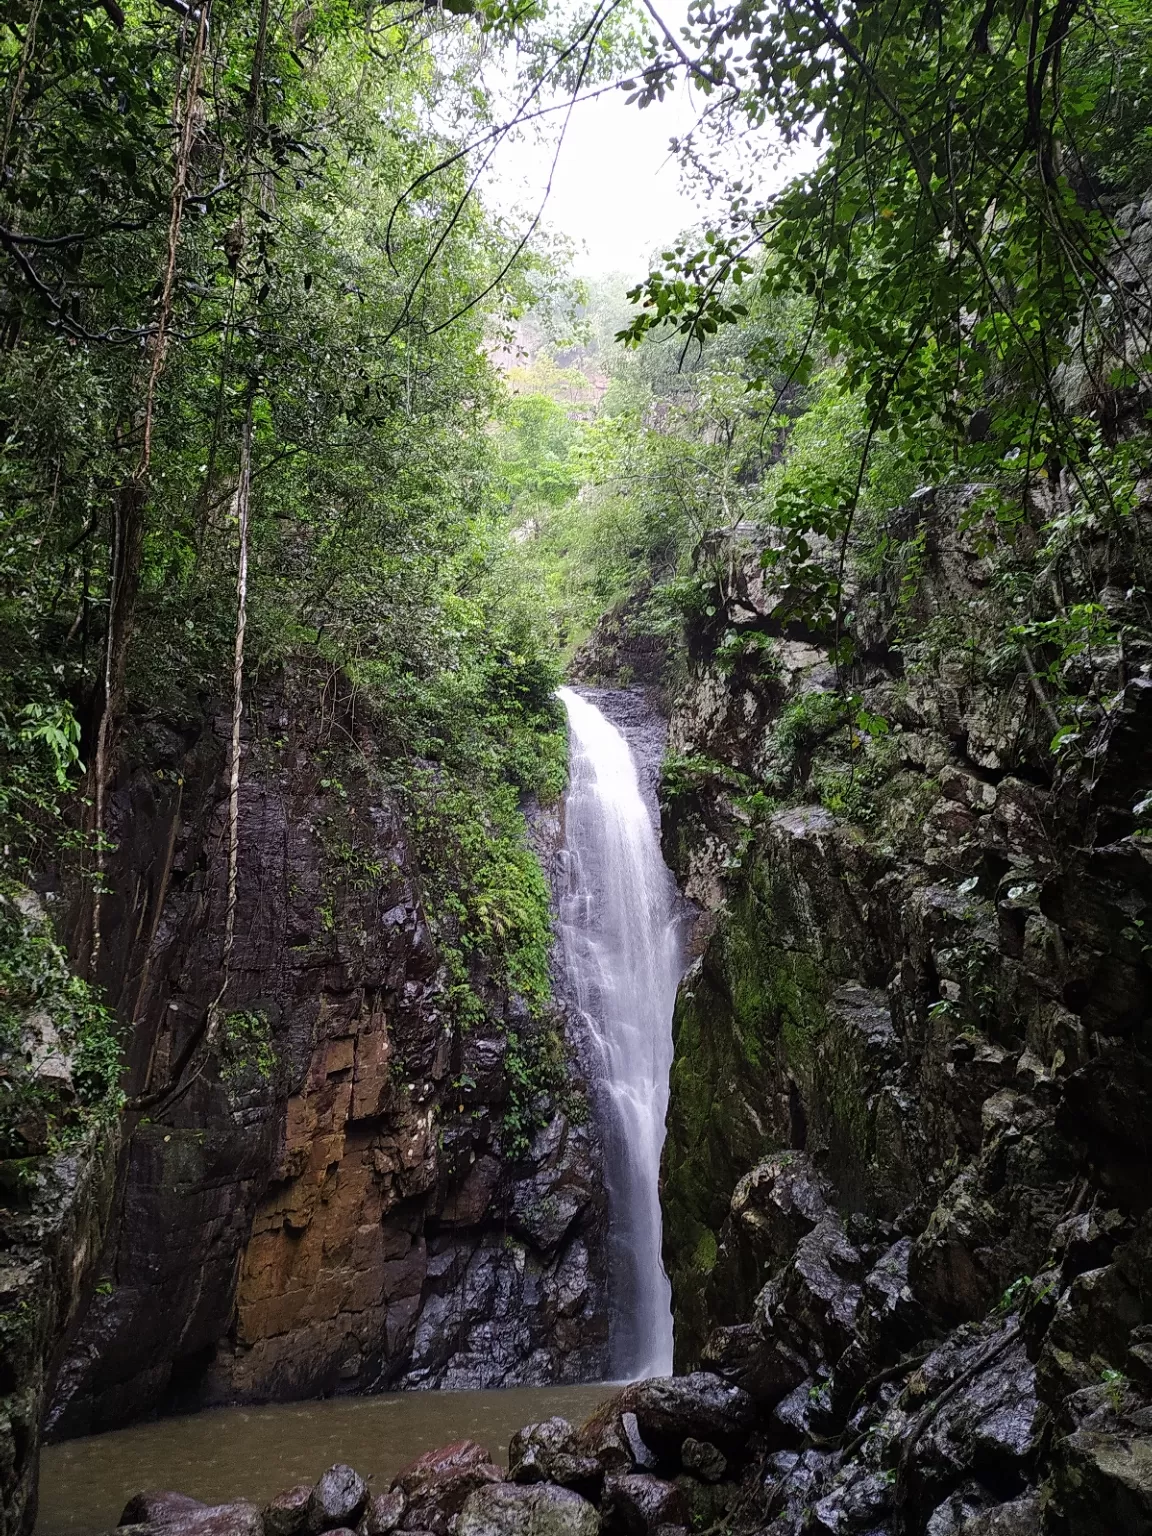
(905, 1188)
(905, 1181)
(338, 1203)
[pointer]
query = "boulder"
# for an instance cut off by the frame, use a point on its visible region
(155, 1506)
(336, 1500)
(285, 1515)
(762, 1365)
(858, 1502)
(527, 1509)
(959, 1509)
(383, 1513)
(176, 1514)
(770, 1210)
(196, 1519)
(437, 1484)
(1020, 1518)
(1103, 1482)
(638, 1504)
(703, 1459)
(668, 1410)
(547, 1453)
(812, 1303)
(988, 1429)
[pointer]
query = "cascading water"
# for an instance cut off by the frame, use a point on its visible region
(622, 957)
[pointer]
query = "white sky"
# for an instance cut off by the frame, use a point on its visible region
(616, 191)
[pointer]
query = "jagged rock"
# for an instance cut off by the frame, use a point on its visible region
(892, 1316)
(759, 1362)
(548, 1452)
(285, 1515)
(668, 1410)
(968, 1414)
(437, 1484)
(383, 1513)
(974, 1511)
(793, 1481)
(775, 1205)
(790, 1420)
(1103, 1482)
(857, 1502)
(1095, 1318)
(1022, 1517)
(813, 1302)
(638, 1504)
(175, 1514)
(336, 1500)
(957, 1511)
(517, 1509)
(703, 1459)
(158, 1505)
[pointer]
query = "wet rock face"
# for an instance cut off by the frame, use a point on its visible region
(334, 1210)
(54, 1211)
(622, 651)
(913, 1064)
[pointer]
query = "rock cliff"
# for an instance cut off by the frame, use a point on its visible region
(906, 1182)
(336, 1202)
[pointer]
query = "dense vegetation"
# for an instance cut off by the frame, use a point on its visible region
(938, 301)
(245, 395)
(247, 404)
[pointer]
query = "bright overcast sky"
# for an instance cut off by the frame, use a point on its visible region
(616, 189)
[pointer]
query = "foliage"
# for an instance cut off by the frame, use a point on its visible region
(536, 1066)
(953, 248)
(59, 1049)
(246, 1053)
(245, 322)
(680, 447)
(484, 892)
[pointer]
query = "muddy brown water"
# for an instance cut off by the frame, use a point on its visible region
(254, 1453)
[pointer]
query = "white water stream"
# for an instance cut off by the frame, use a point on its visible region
(622, 957)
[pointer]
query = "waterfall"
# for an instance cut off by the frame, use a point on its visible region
(621, 954)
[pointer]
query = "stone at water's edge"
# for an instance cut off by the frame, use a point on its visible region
(286, 1513)
(537, 1509)
(958, 1460)
(384, 1512)
(667, 1412)
(173, 1515)
(437, 1485)
(336, 1500)
(549, 1452)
